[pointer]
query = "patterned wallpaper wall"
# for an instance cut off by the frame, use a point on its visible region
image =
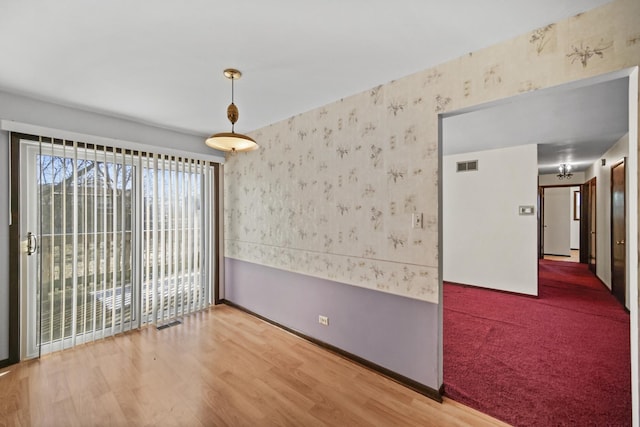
(331, 192)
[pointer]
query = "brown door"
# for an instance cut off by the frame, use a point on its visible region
(591, 224)
(618, 232)
(584, 220)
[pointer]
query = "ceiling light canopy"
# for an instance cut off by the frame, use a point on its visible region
(231, 141)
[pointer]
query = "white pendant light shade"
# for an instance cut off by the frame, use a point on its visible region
(230, 141)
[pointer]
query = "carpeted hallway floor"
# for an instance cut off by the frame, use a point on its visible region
(560, 359)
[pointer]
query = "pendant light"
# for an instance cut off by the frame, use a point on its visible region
(231, 141)
(564, 171)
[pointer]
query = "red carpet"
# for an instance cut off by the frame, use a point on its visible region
(561, 359)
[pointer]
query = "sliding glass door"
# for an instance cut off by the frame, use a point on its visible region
(113, 239)
(175, 237)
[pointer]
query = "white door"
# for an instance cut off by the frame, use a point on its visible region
(557, 212)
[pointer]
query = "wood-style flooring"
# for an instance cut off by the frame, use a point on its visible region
(220, 367)
(574, 257)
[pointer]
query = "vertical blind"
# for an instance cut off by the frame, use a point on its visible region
(125, 239)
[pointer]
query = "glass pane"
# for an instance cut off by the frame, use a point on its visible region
(87, 208)
(177, 223)
(84, 210)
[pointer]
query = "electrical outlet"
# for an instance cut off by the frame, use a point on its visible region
(323, 320)
(416, 220)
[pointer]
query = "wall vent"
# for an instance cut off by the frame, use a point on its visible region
(469, 166)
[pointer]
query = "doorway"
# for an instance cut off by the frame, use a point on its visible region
(589, 195)
(560, 220)
(588, 232)
(618, 232)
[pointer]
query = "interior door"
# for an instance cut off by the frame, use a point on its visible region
(618, 232)
(557, 217)
(584, 223)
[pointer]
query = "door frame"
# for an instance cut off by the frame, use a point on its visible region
(589, 216)
(623, 162)
(17, 244)
(15, 247)
(541, 189)
(540, 222)
(631, 74)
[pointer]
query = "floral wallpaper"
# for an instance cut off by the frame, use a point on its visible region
(331, 192)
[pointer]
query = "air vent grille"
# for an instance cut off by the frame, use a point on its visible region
(468, 166)
(168, 325)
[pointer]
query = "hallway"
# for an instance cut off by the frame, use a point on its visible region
(560, 359)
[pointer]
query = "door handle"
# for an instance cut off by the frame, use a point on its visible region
(620, 242)
(32, 243)
(593, 232)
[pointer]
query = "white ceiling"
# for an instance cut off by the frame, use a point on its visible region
(571, 125)
(161, 62)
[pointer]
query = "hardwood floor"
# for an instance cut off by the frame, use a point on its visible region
(574, 257)
(221, 367)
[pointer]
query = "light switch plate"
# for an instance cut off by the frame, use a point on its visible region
(526, 210)
(416, 220)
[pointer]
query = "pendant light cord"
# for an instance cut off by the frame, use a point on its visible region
(232, 79)
(233, 125)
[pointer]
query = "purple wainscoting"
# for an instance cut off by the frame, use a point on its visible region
(397, 333)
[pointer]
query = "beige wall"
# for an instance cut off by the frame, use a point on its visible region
(331, 191)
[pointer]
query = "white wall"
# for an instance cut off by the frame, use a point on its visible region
(575, 225)
(603, 208)
(44, 114)
(486, 242)
(26, 110)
